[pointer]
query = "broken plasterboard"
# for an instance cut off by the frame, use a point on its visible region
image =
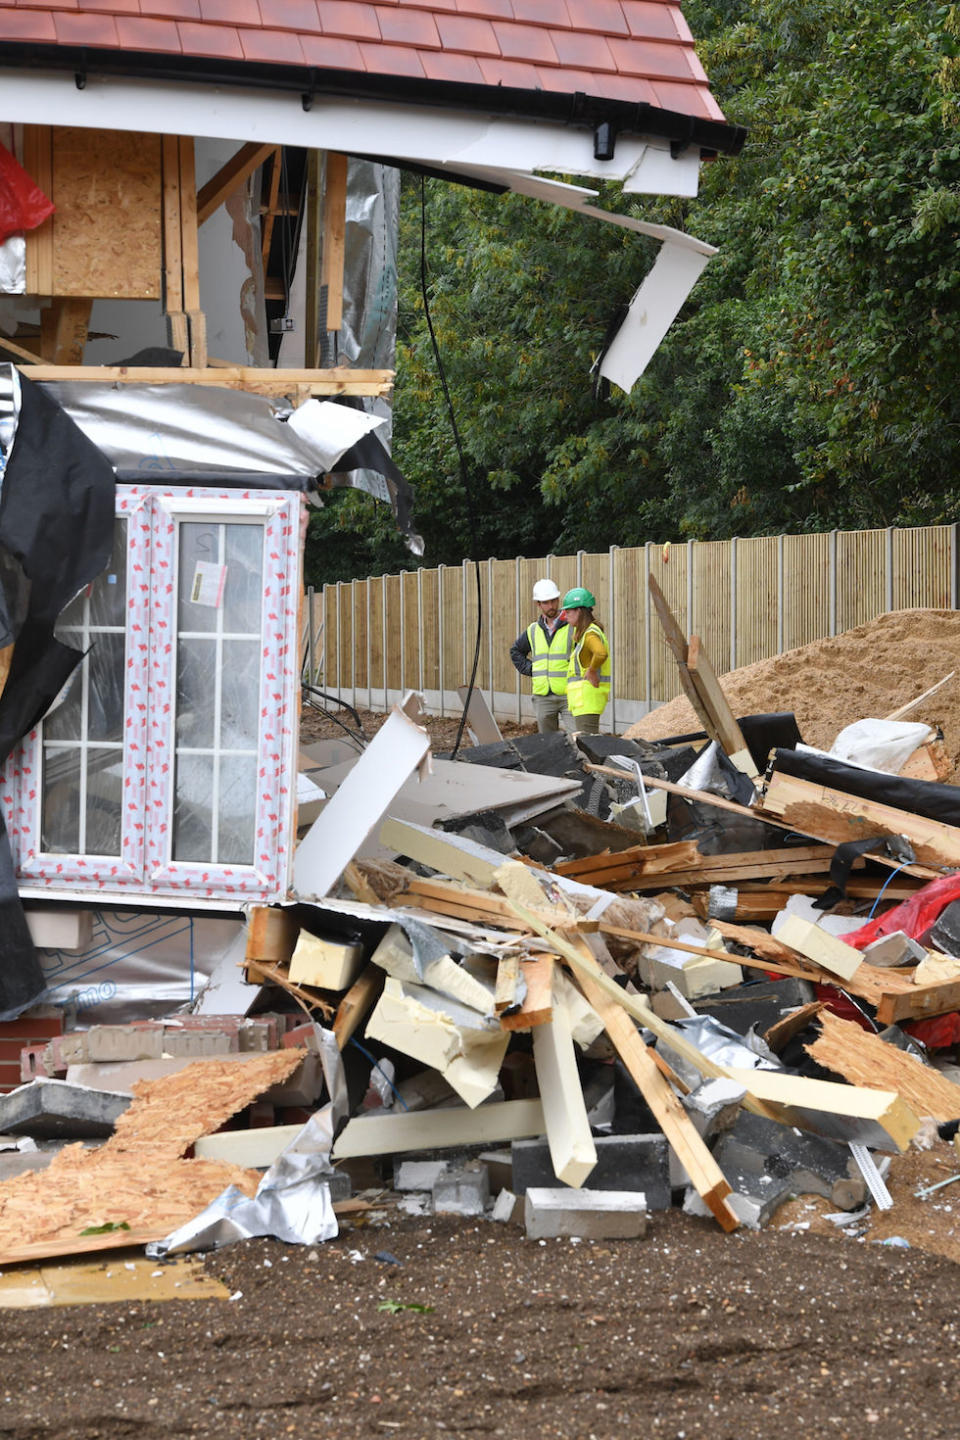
(449, 1037)
(398, 750)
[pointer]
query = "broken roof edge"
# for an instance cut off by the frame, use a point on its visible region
(608, 118)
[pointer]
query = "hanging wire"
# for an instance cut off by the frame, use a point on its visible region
(892, 876)
(377, 1066)
(464, 475)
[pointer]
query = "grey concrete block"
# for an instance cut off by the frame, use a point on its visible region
(758, 1003)
(462, 1191)
(585, 1214)
(809, 1164)
(624, 1162)
(508, 1208)
(121, 1042)
(54, 1109)
(418, 1174)
(714, 1106)
(897, 948)
(754, 1201)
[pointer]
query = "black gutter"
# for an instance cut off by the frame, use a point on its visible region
(606, 118)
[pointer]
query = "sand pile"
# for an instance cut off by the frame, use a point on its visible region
(862, 674)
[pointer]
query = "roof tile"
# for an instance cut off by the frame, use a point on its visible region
(275, 47)
(464, 32)
(509, 72)
(88, 29)
(456, 69)
(391, 60)
(603, 16)
(219, 40)
(542, 12)
(26, 25)
(171, 9)
(652, 20)
(290, 15)
(687, 99)
(349, 18)
(491, 9)
(115, 7)
(231, 12)
(136, 33)
(328, 52)
(627, 87)
(590, 51)
(525, 42)
(638, 57)
(551, 77)
(407, 26)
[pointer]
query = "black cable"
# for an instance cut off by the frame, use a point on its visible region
(464, 477)
(312, 690)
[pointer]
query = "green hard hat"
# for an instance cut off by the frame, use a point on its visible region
(579, 599)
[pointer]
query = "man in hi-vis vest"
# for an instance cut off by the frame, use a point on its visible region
(543, 651)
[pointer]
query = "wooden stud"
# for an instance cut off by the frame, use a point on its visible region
(334, 238)
(294, 383)
(38, 162)
(356, 1003)
(63, 330)
(230, 177)
(536, 1009)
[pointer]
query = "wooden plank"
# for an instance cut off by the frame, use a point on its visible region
(229, 178)
(38, 162)
(257, 972)
(172, 237)
(508, 977)
(643, 859)
(840, 1112)
(783, 1030)
(926, 694)
(357, 1002)
(63, 330)
(335, 381)
(572, 1151)
(312, 220)
(189, 243)
(691, 1150)
(835, 816)
(916, 1002)
(11, 348)
(269, 216)
(864, 1059)
(719, 802)
(536, 1008)
(446, 1129)
(677, 641)
(271, 934)
(723, 725)
(334, 237)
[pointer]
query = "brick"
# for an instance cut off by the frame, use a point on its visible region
(463, 1190)
(635, 1163)
(585, 1214)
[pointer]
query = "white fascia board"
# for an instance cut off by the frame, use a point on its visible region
(652, 311)
(429, 135)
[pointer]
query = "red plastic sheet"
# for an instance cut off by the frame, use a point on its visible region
(23, 205)
(912, 916)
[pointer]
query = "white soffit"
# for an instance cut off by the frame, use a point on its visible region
(652, 311)
(428, 135)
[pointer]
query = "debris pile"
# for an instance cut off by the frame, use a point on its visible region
(563, 981)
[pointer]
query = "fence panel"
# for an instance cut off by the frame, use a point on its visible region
(747, 599)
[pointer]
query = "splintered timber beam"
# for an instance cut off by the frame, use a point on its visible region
(230, 177)
(336, 381)
(864, 1059)
(355, 1004)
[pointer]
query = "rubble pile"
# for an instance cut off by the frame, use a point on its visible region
(563, 981)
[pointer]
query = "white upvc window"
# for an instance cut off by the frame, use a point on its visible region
(168, 765)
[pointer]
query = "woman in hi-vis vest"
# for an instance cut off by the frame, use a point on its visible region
(588, 674)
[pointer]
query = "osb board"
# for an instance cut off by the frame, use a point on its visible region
(108, 224)
(865, 1059)
(137, 1178)
(120, 1279)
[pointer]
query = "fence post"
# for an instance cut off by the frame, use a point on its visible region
(311, 667)
(369, 650)
(465, 668)
(689, 627)
(441, 637)
(420, 679)
(579, 567)
(340, 584)
(781, 628)
(647, 635)
(383, 635)
(353, 642)
(832, 576)
(490, 632)
(953, 566)
(403, 637)
(733, 603)
(888, 549)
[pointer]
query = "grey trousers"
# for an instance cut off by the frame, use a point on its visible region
(548, 709)
(587, 724)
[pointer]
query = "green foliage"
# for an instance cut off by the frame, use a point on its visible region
(810, 382)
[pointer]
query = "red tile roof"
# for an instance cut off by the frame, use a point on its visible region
(633, 51)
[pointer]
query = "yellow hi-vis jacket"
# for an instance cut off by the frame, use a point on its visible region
(550, 657)
(593, 652)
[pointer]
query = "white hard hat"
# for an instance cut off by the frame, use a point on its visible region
(546, 590)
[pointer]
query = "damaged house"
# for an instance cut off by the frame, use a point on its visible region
(197, 282)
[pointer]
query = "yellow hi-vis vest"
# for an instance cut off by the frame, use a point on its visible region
(550, 656)
(582, 697)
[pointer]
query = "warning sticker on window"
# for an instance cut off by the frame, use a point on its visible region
(208, 583)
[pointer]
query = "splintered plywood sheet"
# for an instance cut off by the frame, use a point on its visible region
(137, 1179)
(864, 1059)
(107, 227)
(121, 1278)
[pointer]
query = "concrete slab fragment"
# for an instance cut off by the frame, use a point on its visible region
(585, 1214)
(54, 1109)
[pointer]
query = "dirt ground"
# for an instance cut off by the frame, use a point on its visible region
(317, 724)
(426, 1327)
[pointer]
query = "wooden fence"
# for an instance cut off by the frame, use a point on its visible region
(747, 599)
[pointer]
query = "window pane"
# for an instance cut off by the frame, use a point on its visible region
(240, 695)
(108, 600)
(243, 592)
(199, 544)
(104, 808)
(196, 691)
(193, 808)
(105, 687)
(60, 810)
(237, 809)
(66, 721)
